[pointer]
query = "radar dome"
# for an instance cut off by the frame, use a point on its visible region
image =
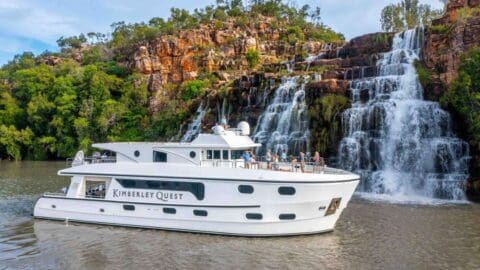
(218, 130)
(244, 128)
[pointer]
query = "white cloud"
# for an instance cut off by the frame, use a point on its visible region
(44, 21)
(27, 20)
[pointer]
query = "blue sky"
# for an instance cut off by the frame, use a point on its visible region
(35, 25)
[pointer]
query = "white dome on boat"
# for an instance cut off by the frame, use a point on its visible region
(218, 130)
(244, 128)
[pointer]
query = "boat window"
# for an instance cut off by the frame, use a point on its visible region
(197, 189)
(159, 156)
(254, 216)
(193, 154)
(245, 189)
(136, 153)
(237, 154)
(287, 216)
(200, 213)
(167, 210)
(129, 207)
(286, 190)
(225, 154)
(209, 154)
(216, 154)
(95, 189)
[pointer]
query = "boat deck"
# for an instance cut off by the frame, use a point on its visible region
(288, 166)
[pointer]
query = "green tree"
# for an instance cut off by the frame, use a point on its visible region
(253, 58)
(407, 14)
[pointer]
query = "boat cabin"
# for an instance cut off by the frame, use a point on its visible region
(223, 146)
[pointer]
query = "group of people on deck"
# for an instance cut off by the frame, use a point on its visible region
(274, 159)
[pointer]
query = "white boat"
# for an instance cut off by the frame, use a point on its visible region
(202, 186)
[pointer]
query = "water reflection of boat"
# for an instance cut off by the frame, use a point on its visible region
(202, 186)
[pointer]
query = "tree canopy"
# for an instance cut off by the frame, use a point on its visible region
(407, 14)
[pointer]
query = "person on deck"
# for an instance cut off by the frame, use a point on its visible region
(246, 159)
(283, 156)
(268, 158)
(302, 161)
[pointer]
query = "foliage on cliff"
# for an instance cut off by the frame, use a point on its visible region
(325, 115)
(299, 23)
(53, 104)
(463, 96)
(407, 14)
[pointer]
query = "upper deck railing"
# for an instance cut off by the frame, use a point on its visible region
(71, 162)
(292, 166)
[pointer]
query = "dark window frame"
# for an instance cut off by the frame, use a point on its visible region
(289, 191)
(287, 216)
(246, 189)
(160, 157)
(254, 216)
(129, 207)
(200, 213)
(169, 210)
(195, 188)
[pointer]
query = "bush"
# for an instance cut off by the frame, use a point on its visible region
(423, 74)
(440, 29)
(463, 96)
(193, 89)
(253, 58)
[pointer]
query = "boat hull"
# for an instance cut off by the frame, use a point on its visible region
(312, 213)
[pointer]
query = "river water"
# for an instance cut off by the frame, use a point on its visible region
(371, 234)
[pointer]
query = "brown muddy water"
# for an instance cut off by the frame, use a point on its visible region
(370, 234)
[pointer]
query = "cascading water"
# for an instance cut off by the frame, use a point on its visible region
(194, 127)
(400, 144)
(284, 123)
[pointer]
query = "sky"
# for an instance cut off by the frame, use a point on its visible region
(35, 25)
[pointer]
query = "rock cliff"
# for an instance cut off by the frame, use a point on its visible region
(450, 37)
(446, 40)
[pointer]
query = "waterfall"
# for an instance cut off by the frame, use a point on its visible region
(400, 144)
(284, 123)
(195, 127)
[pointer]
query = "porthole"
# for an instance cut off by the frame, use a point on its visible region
(200, 213)
(247, 189)
(54, 206)
(287, 216)
(167, 210)
(102, 210)
(129, 207)
(255, 216)
(136, 153)
(193, 154)
(286, 190)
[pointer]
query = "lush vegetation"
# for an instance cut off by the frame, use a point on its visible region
(406, 15)
(299, 23)
(253, 58)
(466, 13)
(325, 113)
(50, 112)
(463, 96)
(54, 104)
(422, 73)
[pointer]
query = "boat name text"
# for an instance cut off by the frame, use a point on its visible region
(159, 195)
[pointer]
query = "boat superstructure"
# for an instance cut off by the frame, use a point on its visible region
(203, 186)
